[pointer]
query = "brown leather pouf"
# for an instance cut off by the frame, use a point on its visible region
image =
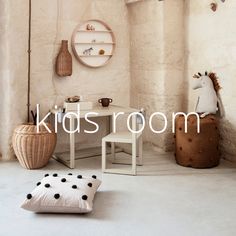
(197, 150)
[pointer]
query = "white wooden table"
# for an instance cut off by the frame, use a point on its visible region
(102, 112)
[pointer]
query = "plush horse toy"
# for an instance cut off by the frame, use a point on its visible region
(209, 101)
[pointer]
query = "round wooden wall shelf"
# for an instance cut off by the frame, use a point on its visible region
(93, 43)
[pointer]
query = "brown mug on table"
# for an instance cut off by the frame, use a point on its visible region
(105, 101)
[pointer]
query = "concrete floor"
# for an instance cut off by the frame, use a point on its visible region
(164, 199)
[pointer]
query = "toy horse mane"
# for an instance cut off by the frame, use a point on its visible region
(213, 78)
(215, 81)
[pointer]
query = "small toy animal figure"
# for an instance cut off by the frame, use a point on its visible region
(214, 6)
(88, 51)
(101, 52)
(90, 27)
(209, 101)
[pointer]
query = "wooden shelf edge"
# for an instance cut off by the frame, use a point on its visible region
(108, 55)
(95, 31)
(96, 43)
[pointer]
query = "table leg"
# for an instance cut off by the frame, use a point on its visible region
(113, 154)
(72, 143)
(134, 144)
(140, 153)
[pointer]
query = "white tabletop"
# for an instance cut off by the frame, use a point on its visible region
(103, 111)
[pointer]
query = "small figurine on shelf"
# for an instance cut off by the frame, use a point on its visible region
(213, 6)
(90, 27)
(94, 41)
(101, 52)
(87, 52)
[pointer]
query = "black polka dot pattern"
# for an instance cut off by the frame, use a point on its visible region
(57, 196)
(74, 186)
(62, 190)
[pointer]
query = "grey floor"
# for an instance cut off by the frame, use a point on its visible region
(164, 199)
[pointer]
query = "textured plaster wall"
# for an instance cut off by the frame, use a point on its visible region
(157, 62)
(132, 1)
(55, 20)
(13, 70)
(211, 45)
(52, 21)
(160, 44)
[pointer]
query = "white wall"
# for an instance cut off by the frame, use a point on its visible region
(157, 62)
(13, 70)
(211, 45)
(52, 21)
(160, 68)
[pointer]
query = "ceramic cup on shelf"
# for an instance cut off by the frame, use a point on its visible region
(105, 101)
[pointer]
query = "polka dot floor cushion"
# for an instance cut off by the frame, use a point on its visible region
(58, 193)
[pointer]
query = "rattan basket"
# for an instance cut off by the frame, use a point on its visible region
(33, 150)
(64, 61)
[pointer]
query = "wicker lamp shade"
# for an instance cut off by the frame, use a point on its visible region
(64, 61)
(33, 150)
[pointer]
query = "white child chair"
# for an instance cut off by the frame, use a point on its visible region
(133, 138)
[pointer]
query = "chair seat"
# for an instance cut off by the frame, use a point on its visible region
(119, 137)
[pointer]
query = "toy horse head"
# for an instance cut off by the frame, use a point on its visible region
(207, 80)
